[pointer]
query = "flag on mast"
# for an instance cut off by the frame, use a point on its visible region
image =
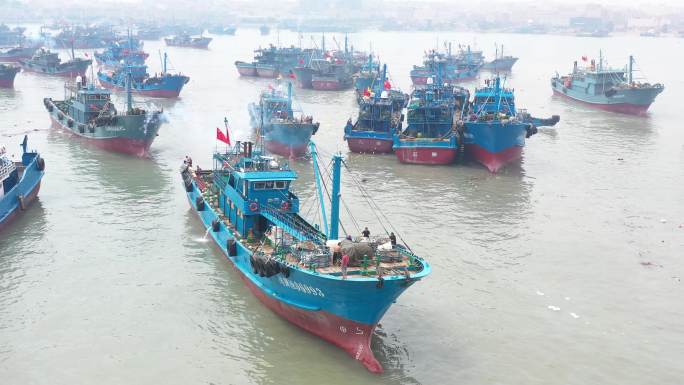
(221, 136)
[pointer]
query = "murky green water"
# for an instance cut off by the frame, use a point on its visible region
(105, 279)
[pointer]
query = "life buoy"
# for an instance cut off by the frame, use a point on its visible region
(215, 225)
(285, 205)
(40, 164)
(50, 108)
(22, 204)
(70, 123)
(188, 186)
(285, 270)
(254, 206)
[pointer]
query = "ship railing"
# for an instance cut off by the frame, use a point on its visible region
(294, 225)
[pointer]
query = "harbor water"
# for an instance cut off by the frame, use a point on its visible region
(565, 268)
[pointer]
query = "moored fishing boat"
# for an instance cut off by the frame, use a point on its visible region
(433, 133)
(379, 118)
(89, 114)
(19, 182)
(247, 205)
(608, 89)
(7, 74)
(49, 63)
(500, 62)
(274, 119)
(118, 55)
(494, 133)
(188, 41)
(16, 54)
(164, 85)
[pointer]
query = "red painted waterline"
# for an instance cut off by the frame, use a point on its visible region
(67, 74)
(149, 93)
(326, 85)
(13, 59)
(266, 73)
(139, 148)
(243, 71)
(623, 108)
(352, 337)
(370, 146)
(419, 80)
(426, 155)
(285, 150)
(7, 83)
(494, 161)
(27, 201)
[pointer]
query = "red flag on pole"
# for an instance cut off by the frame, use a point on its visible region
(221, 136)
(584, 58)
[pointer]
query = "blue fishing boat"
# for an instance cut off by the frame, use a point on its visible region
(450, 67)
(608, 89)
(164, 85)
(19, 182)
(500, 62)
(274, 119)
(379, 118)
(334, 287)
(494, 133)
(433, 132)
(119, 54)
(367, 74)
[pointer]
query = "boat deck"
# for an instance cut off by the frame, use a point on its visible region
(391, 262)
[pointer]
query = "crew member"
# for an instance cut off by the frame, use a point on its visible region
(337, 253)
(393, 239)
(366, 232)
(345, 263)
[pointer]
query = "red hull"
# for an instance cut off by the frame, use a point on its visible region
(423, 155)
(419, 80)
(285, 150)
(622, 108)
(326, 85)
(66, 74)
(267, 73)
(247, 71)
(13, 59)
(352, 337)
(7, 83)
(494, 161)
(27, 201)
(127, 146)
(369, 146)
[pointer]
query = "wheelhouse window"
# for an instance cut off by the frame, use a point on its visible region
(269, 185)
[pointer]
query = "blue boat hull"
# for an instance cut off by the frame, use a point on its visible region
(495, 144)
(343, 312)
(169, 87)
(23, 193)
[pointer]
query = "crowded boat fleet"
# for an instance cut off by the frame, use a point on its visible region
(322, 277)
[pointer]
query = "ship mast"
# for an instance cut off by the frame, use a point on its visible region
(317, 175)
(631, 63)
(335, 209)
(129, 96)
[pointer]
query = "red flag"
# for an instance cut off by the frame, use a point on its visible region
(221, 136)
(388, 85)
(292, 75)
(584, 58)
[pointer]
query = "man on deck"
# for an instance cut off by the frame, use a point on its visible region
(366, 232)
